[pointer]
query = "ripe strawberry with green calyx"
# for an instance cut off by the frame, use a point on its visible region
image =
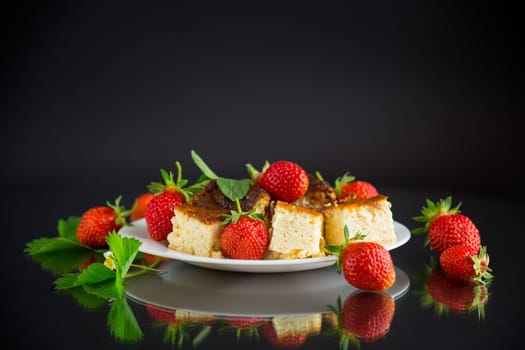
(139, 207)
(365, 265)
(245, 235)
(168, 195)
(458, 262)
(96, 223)
(347, 186)
(446, 227)
(284, 180)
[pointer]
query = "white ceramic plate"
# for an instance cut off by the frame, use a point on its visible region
(160, 248)
(221, 293)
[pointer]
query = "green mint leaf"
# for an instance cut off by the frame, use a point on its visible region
(68, 228)
(86, 300)
(124, 250)
(106, 289)
(203, 166)
(122, 323)
(234, 189)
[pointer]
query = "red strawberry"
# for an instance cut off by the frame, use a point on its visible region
(365, 265)
(141, 203)
(346, 186)
(450, 294)
(160, 209)
(245, 238)
(458, 262)
(285, 181)
(96, 223)
(367, 315)
(446, 227)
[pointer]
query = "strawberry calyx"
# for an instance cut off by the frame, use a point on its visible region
(346, 338)
(482, 270)
(337, 249)
(170, 185)
(341, 181)
(253, 173)
(121, 212)
(432, 211)
(235, 215)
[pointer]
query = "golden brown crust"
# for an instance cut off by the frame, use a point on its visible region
(207, 216)
(375, 201)
(297, 209)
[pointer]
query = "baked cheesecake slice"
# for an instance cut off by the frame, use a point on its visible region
(371, 217)
(295, 232)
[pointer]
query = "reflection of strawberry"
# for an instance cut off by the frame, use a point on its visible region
(161, 314)
(368, 315)
(446, 294)
(244, 326)
(141, 203)
(289, 341)
(446, 227)
(98, 222)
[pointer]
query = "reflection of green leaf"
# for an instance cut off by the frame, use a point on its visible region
(122, 322)
(68, 228)
(63, 261)
(201, 336)
(86, 300)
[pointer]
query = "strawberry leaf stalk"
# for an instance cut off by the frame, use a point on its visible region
(169, 184)
(338, 249)
(347, 186)
(432, 211)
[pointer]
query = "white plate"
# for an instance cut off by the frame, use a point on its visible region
(220, 293)
(160, 248)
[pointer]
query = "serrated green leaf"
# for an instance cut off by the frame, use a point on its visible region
(199, 162)
(124, 250)
(122, 323)
(105, 289)
(68, 228)
(95, 273)
(234, 189)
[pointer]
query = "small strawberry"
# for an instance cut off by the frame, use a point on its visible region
(161, 314)
(347, 186)
(96, 223)
(284, 180)
(245, 236)
(458, 262)
(160, 209)
(365, 265)
(140, 205)
(446, 227)
(247, 327)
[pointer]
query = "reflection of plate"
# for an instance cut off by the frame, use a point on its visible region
(139, 231)
(240, 294)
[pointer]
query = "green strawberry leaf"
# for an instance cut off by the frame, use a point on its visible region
(124, 250)
(122, 323)
(66, 281)
(68, 228)
(107, 289)
(52, 245)
(95, 273)
(86, 300)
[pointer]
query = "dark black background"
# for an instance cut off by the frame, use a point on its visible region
(421, 98)
(409, 94)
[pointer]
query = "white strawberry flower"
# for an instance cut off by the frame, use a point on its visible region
(109, 260)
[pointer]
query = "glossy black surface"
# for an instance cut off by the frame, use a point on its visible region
(54, 320)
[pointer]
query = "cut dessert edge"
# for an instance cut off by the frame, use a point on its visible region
(139, 231)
